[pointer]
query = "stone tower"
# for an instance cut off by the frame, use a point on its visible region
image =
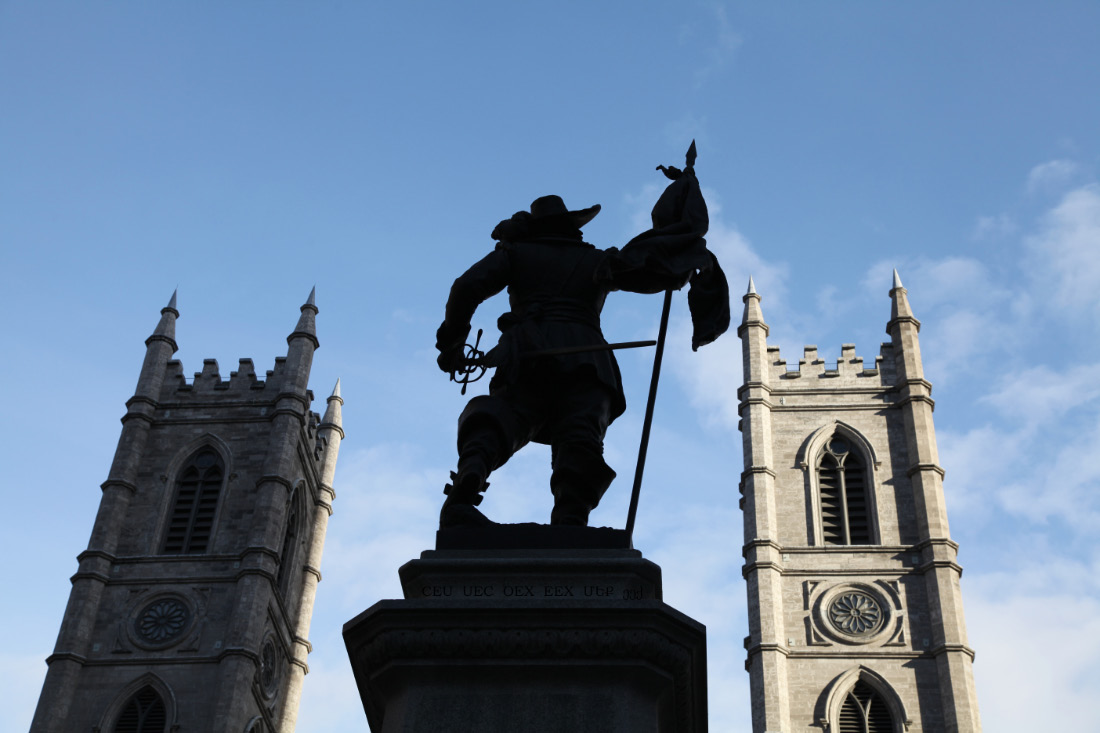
(190, 608)
(855, 613)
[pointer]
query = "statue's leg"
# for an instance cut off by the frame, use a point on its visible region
(489, 432)
(579, 481)
(580, 476)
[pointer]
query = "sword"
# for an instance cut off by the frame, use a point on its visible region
(477, 361)
(562, 351)
(483, 359)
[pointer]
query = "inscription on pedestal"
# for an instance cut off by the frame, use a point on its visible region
(616, 589)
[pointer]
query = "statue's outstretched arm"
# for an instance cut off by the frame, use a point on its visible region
(482, 281)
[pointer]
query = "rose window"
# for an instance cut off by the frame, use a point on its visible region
(163, 620)
(855, 613)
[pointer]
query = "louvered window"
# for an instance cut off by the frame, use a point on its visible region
(864, 711)
(192, 518)
(845, 509)
(144, 713)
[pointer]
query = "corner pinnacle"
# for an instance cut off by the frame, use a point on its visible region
(307, 326)
(333, 418)
(166, 327)
(900, 310)
(752, 315)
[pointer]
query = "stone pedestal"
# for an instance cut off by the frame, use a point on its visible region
(530, 641)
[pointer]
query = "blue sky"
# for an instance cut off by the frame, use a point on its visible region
(247, 151)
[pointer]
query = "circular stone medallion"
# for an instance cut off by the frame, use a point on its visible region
(856, 613)
(162, 621)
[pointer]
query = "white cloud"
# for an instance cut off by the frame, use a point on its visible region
(641, 204)
(710, 376)
(720, 49)
(1064, 255)
(960, 304)
(1051, 176)
(953, 280)
(934, 284)
(994, 227)
(1048, 427)
(21, 678)
(330, 699)
(1063, 484)
(1033, 397)
(831, 302)
(972, 478)
(1036, 631)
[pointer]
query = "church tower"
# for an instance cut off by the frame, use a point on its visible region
(855, 613)
(190, 609)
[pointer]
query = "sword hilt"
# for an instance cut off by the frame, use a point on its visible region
(472, 369)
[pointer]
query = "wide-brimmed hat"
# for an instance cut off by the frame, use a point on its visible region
(547, 209)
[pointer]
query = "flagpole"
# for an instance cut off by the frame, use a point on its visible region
(634, 495)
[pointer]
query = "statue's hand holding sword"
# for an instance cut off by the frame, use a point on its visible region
(475, 362)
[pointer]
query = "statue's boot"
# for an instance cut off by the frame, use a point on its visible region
(463, 496)
(578, 482)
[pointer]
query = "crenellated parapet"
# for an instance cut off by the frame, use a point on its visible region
(243, 394)
(243, 382)
(845, 369)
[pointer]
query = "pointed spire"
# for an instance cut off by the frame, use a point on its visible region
(166, 328)
(307, 326)
(333, 418)
(753, 315)
(900, 312)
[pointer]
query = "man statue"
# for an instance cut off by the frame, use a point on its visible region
(557, 284)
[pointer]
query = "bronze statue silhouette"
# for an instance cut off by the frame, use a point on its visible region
(556, 380)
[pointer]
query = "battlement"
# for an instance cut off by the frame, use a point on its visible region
(242, 381)
(847, 369)
(242, 390)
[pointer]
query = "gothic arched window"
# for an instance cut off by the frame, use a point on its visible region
(290, 539)
(845, 506)
(197, 489)
(864, 711)
(144, 713)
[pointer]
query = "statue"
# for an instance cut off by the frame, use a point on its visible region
(556, 380)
